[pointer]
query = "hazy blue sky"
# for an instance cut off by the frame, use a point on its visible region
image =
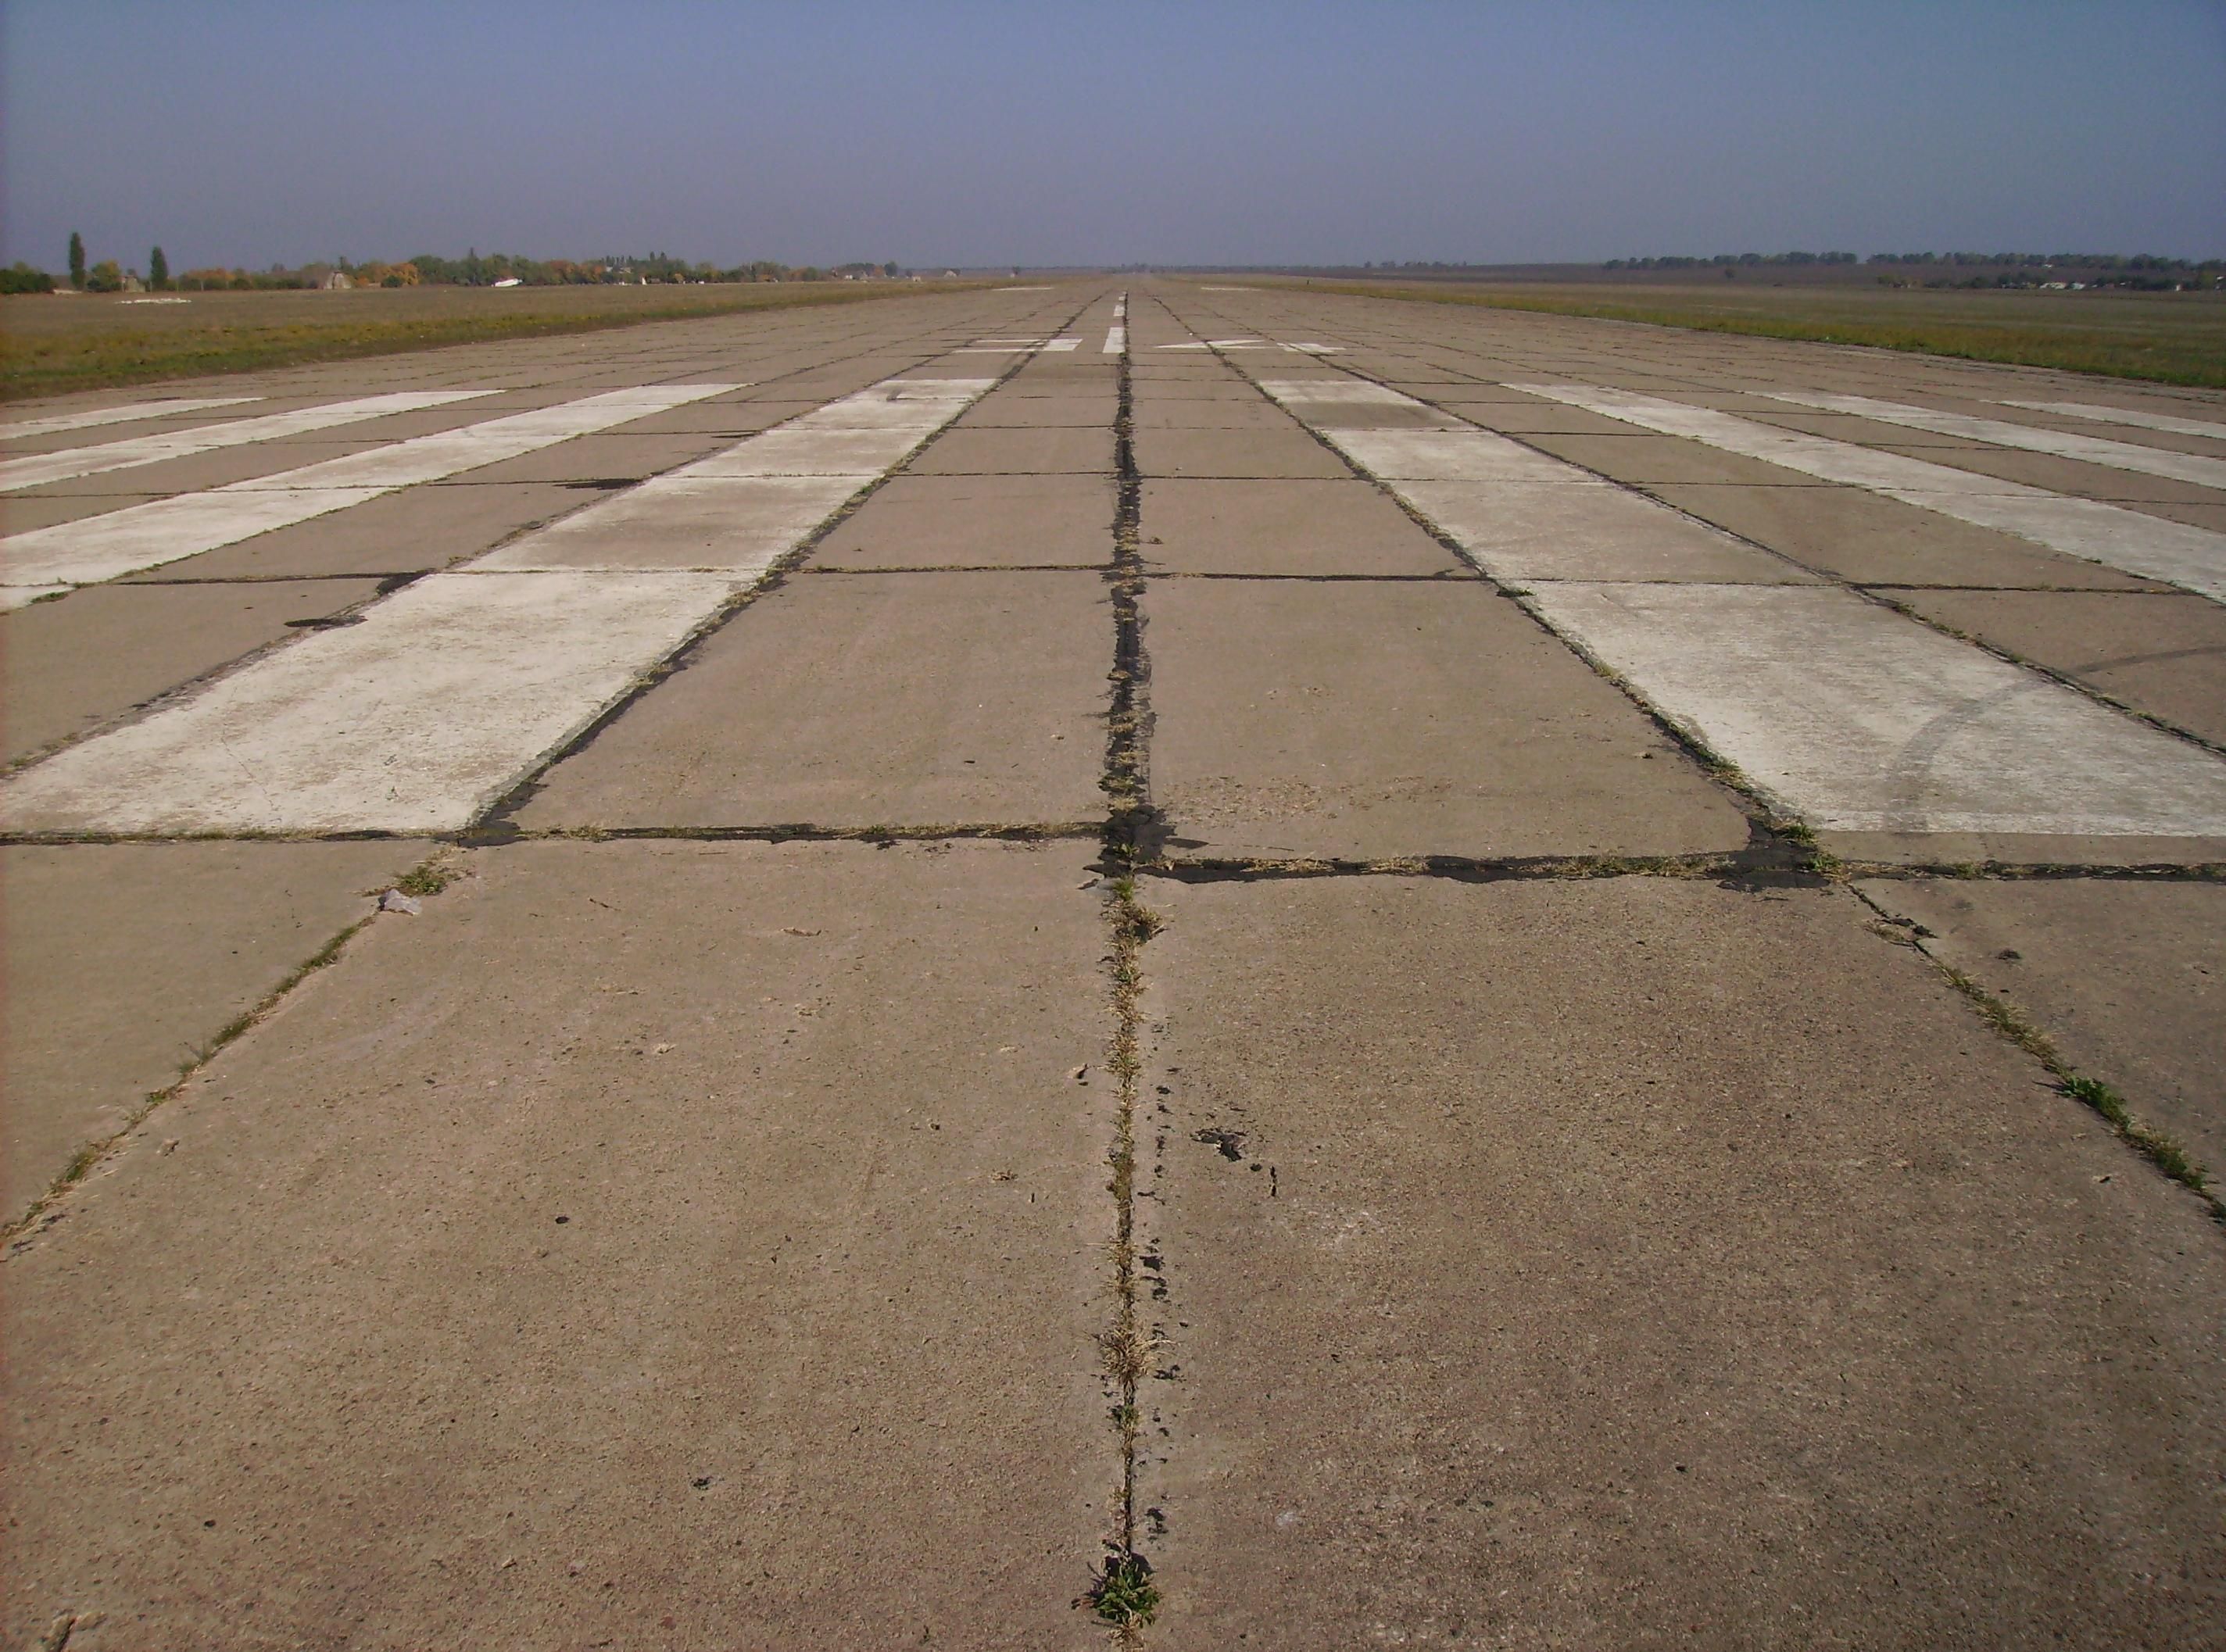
(1045, 133)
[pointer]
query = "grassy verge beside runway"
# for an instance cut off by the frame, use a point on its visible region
(51, 343)
(2172, 338)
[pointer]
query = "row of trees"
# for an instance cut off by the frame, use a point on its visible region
(470, 271)
(1726, 260)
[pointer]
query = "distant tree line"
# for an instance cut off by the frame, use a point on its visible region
(1728, 259)
(2142, 272)
(427, 270)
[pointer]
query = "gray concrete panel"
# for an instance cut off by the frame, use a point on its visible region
(919, 521)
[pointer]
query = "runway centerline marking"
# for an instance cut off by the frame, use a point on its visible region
(35, 469)
(98, 548)
(129, 413)
(2193, 558)
(2064, 444)
(419, 716)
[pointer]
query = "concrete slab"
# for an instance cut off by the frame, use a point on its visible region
(1858, 720)
(1200, 413)
(1547, 530)
(916, 521)
(1021, 451)
(738, 524)
(864, 700)
(1461, 729)
(1000, 412)
(2127, 979)
(125, 959)
(1296, 527)
(2163, 653)
(1645, 1263)
(1285, 453)
(1862, 537)
(25, 513)
(1661, 458)
(70, 666)
(731, 1292)
(2069, 477)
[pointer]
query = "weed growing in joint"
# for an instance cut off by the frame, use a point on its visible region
(2167, 1154)
(1124, 1594)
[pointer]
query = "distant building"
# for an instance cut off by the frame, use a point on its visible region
(339, 282)
(510, 280)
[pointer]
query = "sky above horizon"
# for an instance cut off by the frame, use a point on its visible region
(977, 132)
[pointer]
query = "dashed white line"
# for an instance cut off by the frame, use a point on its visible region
(167, 531)
(34, 469)
(1116, 341)
(127, 414)
(2194, 558)
(2063, 444)
(2126, 415)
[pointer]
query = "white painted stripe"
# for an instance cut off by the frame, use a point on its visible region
(1334, 389)
(451, 453)
(130, 412)
(2063, 444)
(411, 721)
(415, 719)
(1858, 720)
(168, 531)
(1520, 514)
(2194, 558)
(35, 469)
(1064, 344)
(22, 596)
(2102, 414)
(1116, 341)
(731, 524)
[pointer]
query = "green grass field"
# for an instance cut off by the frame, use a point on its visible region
(50, 343)
(2172, 338)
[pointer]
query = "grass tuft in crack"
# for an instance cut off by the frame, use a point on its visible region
(1122, 1593)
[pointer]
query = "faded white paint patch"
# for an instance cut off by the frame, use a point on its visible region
(1330, 389)
(1116, 341)
(411, 721)
(2063, 444)
(22, 596)
(1452, 454)
(1858, 720)
(2194, 558)
(34, 470)
(2126, 415)
(162, 531)
(789, 452)
(1587, 530)
(125, 414)
(732, 524)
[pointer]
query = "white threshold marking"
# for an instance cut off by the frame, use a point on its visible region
(130, 412)
(34, 469)
(2063, 444)
(2102, 414)
(417, 718)
(1015, 347)
(1848, 714)
(139, 537)
(2193, 558)
(1256, 344)
(1116, 341)
(1859, 720)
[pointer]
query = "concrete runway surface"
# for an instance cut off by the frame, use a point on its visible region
(1560, 1144)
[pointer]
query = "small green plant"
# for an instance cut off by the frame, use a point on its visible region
(1124, 1594)
(429, 879)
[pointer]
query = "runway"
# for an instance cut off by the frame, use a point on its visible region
(788, 975)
